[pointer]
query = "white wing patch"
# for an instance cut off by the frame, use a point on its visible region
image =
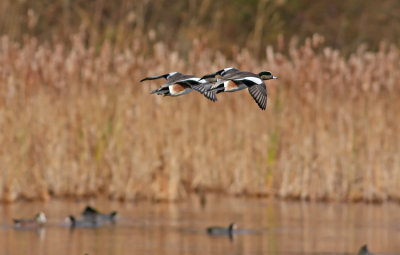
(252, 79)
(170, 74)
(226, 70)
(194, 79)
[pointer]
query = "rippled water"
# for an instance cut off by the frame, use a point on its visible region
(265, 227)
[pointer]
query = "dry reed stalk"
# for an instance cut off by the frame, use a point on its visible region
(76, 122)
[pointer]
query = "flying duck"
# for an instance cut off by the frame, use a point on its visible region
(179, 84)
(38, 221)
(91, 214)
(238, 80)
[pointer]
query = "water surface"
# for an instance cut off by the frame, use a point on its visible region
(265, 227)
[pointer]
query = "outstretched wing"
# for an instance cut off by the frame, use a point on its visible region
(155, 77)
(259, 94)
(222, 72)
(203, 89)
(210, 95)
(210, 76)
(200, 86)
(238, 75)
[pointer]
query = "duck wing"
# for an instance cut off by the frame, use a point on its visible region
(210, 95)
(222, 73)
(238, 75)
(178, 77)
(259, 94)
(201, 86)
(173, 78)
(170, 77)
(155, 77)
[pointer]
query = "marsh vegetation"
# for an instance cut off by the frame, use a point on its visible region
(75, 121)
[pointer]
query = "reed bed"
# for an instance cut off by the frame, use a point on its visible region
(75, 121)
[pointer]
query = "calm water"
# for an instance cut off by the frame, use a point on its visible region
(267, 227)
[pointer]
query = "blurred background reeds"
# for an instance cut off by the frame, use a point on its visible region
(75, 121)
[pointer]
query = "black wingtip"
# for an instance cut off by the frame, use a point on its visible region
(263, 106)
(208, 76)
(210, 95)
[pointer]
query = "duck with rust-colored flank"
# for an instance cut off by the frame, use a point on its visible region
(180, 84)
(37, 222)
(91, 214)
(234, 80)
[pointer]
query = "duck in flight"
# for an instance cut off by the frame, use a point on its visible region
(179, 84)
(232, 80)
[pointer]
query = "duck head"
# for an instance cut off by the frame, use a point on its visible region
(265, 75)
(41, 218)
(232, 227)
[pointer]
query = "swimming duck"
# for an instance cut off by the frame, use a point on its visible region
(238, 80)
(222, 231)
(91, 213)
(180, 84)
(364, 250)
(38, 221)
(84, 223)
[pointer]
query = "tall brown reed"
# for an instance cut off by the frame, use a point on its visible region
(76, 122)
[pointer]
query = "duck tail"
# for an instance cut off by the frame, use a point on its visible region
(113, 215)
(161, 91)
(73, 221)
(90, 209)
